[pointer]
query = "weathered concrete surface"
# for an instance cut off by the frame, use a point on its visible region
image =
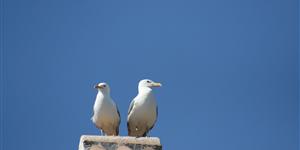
(90, 142)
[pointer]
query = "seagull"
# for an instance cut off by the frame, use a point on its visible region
(142, 113)
(106, 115)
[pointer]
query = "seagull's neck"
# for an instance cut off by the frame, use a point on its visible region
(103, 93)
(145, 90)
(145, 95)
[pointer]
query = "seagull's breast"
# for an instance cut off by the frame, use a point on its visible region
(145, 109)
(105, 111)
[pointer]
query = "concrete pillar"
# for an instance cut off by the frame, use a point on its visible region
(90, 142)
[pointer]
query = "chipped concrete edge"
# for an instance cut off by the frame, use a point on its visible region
(119, 140)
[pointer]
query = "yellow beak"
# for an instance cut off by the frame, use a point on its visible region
(98, 87)
(156, 84)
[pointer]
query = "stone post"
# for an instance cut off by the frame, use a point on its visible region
(90, 142)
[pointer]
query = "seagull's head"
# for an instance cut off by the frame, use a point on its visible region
(103, 87)
(148, 84)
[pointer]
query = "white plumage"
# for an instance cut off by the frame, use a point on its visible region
(106, 114)
(142, 113)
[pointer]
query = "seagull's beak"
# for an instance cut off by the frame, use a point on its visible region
(156, 84)
(98, 87)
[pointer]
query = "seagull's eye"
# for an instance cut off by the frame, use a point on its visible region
(148, 81)
(104, 85)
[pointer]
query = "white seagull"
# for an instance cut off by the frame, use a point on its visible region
(106, 114)
(142, 113)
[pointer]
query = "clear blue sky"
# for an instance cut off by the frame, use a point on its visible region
(229, 70)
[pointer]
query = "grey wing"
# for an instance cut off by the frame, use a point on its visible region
(118, 114)
(92, 115)
(129, 111)
(155, 118)
(119, 120)
(130, 106)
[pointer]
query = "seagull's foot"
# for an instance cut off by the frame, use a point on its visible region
(102, 133)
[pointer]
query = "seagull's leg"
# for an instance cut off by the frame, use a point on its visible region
(101, 132)
(147, 133)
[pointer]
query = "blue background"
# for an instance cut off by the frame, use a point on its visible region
(229, 70)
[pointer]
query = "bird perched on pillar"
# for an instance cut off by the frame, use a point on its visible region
(143, 110)
(106, 115)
